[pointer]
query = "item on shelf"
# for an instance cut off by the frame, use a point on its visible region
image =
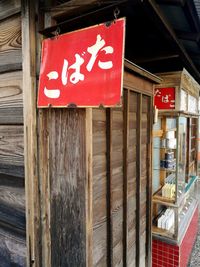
(159, 224)
(170, 164)
(171, 143)
(170, 178)
(169, 155)
(163, 143)
(162, 163)
(166, 220)
(170, 135)
(168, 190)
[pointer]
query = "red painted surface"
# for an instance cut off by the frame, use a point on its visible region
(83, 68)
(188, 241)
(164, 98)
(166, 255)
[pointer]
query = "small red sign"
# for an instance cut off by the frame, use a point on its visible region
(83, 68)
(164, 98)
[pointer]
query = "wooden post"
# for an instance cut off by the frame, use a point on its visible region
(30, 133)
(149, 188)
(44, 117)
(125, 170)
(138, 177)
(109, 187)
(89, 191)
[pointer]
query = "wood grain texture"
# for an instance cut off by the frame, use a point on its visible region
(12, 210)
(99, 188)
(12, 249)
(135, 83)
(138, 179)
(12, 150)
(117, 143)
(73, 7)
(11, 100)
(125, 173)
(89, 188)
(10, 44)
(30, 132)
(131, 179)
(44, 116)
(9, 8)
(68, 180)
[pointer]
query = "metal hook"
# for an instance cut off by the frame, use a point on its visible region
(116, 13)
(57, 32)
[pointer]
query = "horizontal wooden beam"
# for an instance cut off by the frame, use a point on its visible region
(10, 44)
(190, 36)
(9, 8)
(156, 58)
(196, 58)
(82, 19)
(163, 25)
(172, 2)
(11, 102)
(77, 6)
(144, 73)
(192, 15)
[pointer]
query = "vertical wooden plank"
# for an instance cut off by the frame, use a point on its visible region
(68, 187)
(30, 133)
(131, 176)
(138, 178)
(117, 186)
(196, 145)
(89, 189)
(125, 170)
(149, 184)
(109, 188)
(44, 117)
(188, 148)
(99, 188)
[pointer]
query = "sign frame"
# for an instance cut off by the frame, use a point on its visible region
(111, 78)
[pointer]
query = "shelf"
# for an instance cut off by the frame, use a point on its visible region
(159, 199)
(183, 224)
(167, 170)
(162, 232)
(191, 163)
(171, 130)
(157, 133)
(191, 182)
(164, 200)
(166, 148)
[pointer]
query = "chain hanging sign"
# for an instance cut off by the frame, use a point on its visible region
(83, 68)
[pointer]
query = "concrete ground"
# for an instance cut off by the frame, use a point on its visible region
(195, 257)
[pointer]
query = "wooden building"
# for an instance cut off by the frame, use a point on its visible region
(87, 171)
(85, 174)
(12, 193)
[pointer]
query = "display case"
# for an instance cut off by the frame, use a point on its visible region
(174, 177)
(174, 173)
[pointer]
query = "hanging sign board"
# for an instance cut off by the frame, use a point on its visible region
(83, 68)
(164, 98)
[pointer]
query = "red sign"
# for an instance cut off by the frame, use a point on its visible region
(164, 98)
(83, 68)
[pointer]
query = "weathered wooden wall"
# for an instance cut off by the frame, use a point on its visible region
(121, 182)
(116, 180)
(12, 196)
(88, 184)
